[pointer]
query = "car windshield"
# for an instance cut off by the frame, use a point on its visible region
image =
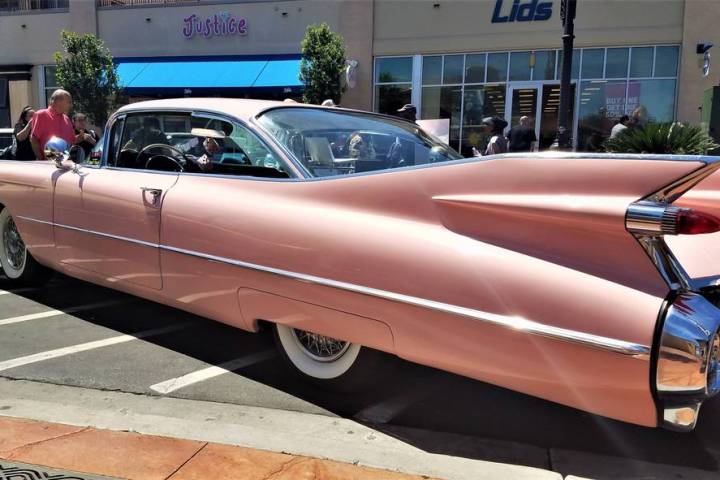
(336, 142)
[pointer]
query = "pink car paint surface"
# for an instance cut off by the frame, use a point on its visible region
(524, 271)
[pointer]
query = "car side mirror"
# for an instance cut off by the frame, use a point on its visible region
(76, 154)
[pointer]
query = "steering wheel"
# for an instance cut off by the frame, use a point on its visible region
(161, 145)
(160, 156)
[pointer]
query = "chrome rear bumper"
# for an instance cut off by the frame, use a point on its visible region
(687, 360)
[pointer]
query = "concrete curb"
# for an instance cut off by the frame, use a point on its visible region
(255, 427)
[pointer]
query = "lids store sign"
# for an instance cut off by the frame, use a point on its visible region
(521, 11)
(222, 24)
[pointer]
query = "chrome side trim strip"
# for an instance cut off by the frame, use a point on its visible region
(93, 232)
(518, 324)
(515, 323)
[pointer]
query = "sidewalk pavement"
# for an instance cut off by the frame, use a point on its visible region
(148, 457)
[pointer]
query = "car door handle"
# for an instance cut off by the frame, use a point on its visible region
(155, 192)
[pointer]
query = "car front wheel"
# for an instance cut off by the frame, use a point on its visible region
(328, 362)
(16, 262)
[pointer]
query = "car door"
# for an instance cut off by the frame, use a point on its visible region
(107, 217)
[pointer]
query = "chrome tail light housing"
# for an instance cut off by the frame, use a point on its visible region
(688, 358)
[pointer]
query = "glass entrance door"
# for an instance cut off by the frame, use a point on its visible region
(549, 108)
(523, 101)
(540, 104)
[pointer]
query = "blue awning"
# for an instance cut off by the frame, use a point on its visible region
(209, 75)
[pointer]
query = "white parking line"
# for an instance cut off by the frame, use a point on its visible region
(54, 313)
(17, 290)
(210, 372)
(61, 352)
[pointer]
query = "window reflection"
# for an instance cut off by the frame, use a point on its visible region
(475, 68)
(480, 102)
(601, 105)
(544, 65)
(393, 69)
(666, 61)
(641, 60)
(389, 98)
(520, 66)
(444, 102)
(616, 63)
(432, 70)
(497, 64)
(453, 69)
(592, 62)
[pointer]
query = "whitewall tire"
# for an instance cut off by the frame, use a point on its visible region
(325, 361)
(16, 261)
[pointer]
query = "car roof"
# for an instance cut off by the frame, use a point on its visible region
(241, 108)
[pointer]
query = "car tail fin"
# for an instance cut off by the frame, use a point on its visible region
(658, 219)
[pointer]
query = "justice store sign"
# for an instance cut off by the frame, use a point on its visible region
(222, 24)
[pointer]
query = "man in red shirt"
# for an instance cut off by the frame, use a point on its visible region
(53, 122)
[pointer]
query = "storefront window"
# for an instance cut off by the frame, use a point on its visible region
(393, 87)
(641, 60)
(390, 98)
(497, 64)
(432, 70)
(616, 62)
(608, 83)
(544, 65)
(602, 102)
(519, 66)
(393, 70)
(444, 102)
(475, 68)
(666, 61)
(592, 62)
(480, 102)
(50, 82)
(651, 100)
(575, 64)
(453, 69)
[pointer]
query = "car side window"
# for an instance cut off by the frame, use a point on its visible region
(184, 143)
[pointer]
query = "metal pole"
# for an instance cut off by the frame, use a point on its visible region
(564, 134)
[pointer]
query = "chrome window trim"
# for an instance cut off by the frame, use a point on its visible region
(518, 324)
(296, 172)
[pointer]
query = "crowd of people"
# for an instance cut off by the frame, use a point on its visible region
(34, 129)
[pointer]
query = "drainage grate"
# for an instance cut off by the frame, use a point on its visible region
(23, 471)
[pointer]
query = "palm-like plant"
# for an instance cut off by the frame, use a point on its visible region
(676, 138)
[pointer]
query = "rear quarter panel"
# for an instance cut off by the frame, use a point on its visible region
(556, 254)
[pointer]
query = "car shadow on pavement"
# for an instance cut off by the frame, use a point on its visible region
(435, 411)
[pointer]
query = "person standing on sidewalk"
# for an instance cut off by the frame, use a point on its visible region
(53, 122)
(522, 137)
(22, 147)
(87, 137)
(620, 126)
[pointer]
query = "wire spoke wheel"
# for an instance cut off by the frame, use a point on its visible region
(319, 347)
(15, 251)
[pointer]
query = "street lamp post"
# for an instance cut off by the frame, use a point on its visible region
(567, 13)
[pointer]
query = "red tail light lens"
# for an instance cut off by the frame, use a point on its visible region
(692, 222)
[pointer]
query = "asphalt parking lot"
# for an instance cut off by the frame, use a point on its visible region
(77, 334)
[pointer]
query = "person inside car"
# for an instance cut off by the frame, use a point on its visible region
(148, 134)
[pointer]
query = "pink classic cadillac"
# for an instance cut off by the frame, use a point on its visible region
(588, 280)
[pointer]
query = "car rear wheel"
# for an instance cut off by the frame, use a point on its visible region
(327, 362)
(16, 262)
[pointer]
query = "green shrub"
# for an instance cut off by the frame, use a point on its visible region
(675, 138)
(85, 68)
(322, 64)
